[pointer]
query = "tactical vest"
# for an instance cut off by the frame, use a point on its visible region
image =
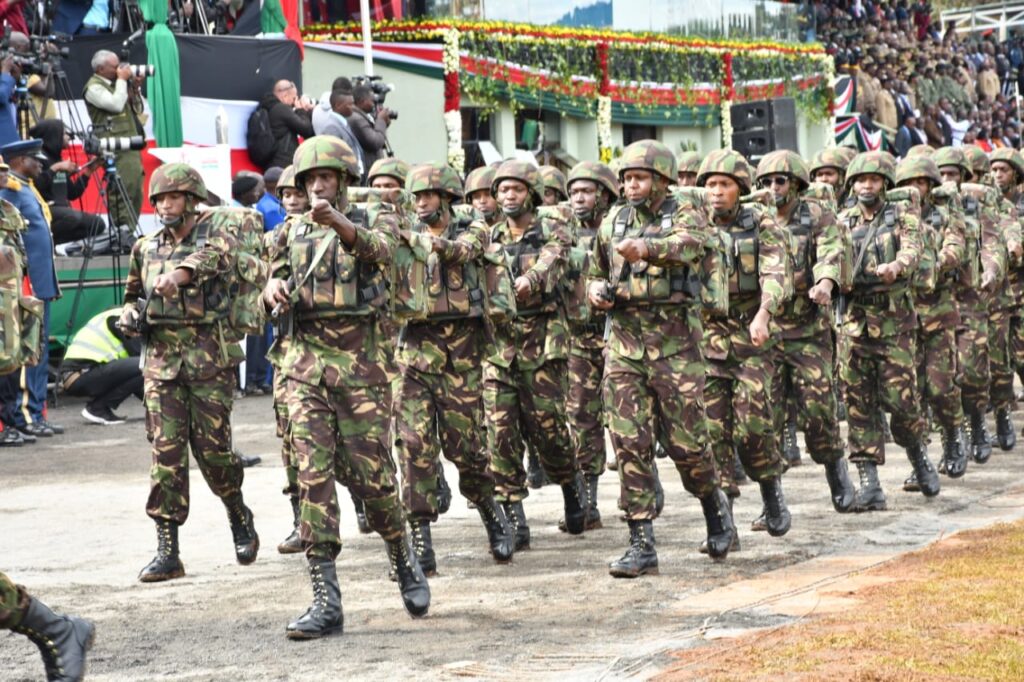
(454, 291)
(577, 307)
(340, 285)
(95, 342)
(744, 269)
(121, 124)
(882, 249)
(521, 256)
(641, 283)
(803, 252)
(927, 278)
(972, 267)
(195, 304)
(21, 315)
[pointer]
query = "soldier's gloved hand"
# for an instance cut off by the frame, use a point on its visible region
(523, 288)
(759, 327)
(276, 295)
(888, 272)
(632, 250)
(595, 293)
(166, 285)
(821, 293)
(128, 320)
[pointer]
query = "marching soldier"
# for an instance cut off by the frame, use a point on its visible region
(479, 197)
(387, 173)
(644, 274)
(177, 286)
(879, 326)
(689, 164)
(339, 369)
(554, 185)
(736, 344)
(439, 399)
(829, 166)
(525, 374)
(803, 356)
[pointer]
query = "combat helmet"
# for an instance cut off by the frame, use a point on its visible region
(784, 162)
(390, 167)
(688, 162)
(953, 156)
(649, 155)
(479, 179)
(436, 177)
(554, 179)
(920, 150)
(325, 151)
(918, 167)
(726, 162)
(977, 159)
(833, 157)
(176, 177)
(287, 180)
(872, 163)
(523, 171)
(595, 171)
(1012, 157)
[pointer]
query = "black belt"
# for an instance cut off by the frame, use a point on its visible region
(870, 299)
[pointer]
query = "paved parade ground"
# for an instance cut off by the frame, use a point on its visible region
(73, 530)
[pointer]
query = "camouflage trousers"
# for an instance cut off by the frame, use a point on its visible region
(881, 374)
(586, 409)
(13, 603)
(972, 350)
(284, 432)
(803, 380)
(437, 413)
(1017, 342)
(341, 435)
(737, 396)
(938, 376)
(659, 400)
(527, 407)
(180, 414)
(1001, 363)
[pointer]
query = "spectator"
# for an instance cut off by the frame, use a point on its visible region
(269, 205)
(246, 189)
(322, 111)
(908, 136)
(23, 393)
(290, 119)
(342, 106)
(370, 130)
(10, 72)
(102, 364)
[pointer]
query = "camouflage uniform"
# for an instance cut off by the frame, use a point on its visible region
(13, 603)
(1016, 273)
(554, 179)
(480, 180)
(688, 163)
(835, 157)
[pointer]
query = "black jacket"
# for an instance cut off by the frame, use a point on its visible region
(287, 125)
(51, 132)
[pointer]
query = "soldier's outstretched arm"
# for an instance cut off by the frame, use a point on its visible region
(215, 258)
(910, 243)
(468, 246)
(133, 285)
(828, 246)
(684, 245)
(545, 273)
(376, 244)
(772, 245)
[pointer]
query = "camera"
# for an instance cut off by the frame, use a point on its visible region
(380, 90)
(143, 70)
(107, 145)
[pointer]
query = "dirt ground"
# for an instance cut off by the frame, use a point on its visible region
(73, 529)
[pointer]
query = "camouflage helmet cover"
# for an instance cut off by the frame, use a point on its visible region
(688, 162)
(389, 166)
(977, 159)
(287, 180)
(953, 156)
(479, 179)
(595, 171)
(918, 167)
(325, 151)
(649, 155)
(829, 158)
(554, 179)
(920, 150)
(176, 177)
(523, 171)
(436, 177)
(726, 162)
(784, 162)
(1012, 157)
(872, 163)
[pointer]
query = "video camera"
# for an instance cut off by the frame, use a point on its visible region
(379, 88)
(43, 55)
(95, 146)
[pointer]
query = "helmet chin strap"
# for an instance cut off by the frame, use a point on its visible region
(436, 216)
(522, 209)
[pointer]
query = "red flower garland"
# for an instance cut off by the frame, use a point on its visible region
(727, 81)
(452, 91)
(604, 86)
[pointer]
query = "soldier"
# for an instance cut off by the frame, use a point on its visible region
(938, 316)
(439, 397)
(554, 185)
(829, 166)
(525, 374)
(739, 358)
(177, 286)
(689, 164)
(879, 326)
(478, 194)
(803, 356)
(984, 268)
(643, 273)
(593, 188)
(1007, 168)
(387, 173)
(339, 368)
(62, 640)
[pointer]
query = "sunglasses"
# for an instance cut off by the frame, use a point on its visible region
(777, 180)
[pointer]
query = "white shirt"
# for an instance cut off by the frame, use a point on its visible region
(100, 98)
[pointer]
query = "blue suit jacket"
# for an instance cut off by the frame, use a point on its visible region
(38, 241)
(69, 14)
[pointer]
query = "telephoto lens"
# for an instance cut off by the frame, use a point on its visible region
(145, 70)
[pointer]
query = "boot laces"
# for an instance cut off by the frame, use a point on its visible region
(319, 587)
(47, 647)
(163, 537)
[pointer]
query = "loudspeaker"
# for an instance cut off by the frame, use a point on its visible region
(764, 126)
(751, 116)
(753, 144)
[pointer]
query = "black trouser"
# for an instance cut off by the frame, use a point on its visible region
(69, 225)
(109, 384)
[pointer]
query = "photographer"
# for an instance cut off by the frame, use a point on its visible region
(61, 182)
(114, 104)
(10, 72)
(371, 130)
(290, 118)
(39, 84)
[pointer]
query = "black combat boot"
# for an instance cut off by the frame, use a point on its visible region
(640, 558)
(165, 565)
(954, 459)
(759, 524)
(1005, 434)
(981, 443)
(659, 490)
(870, 496)
(535, 476)
(910, 484)
(839, 485)
(361, 522)
(593, 513)
(792, 447)
(718, 518)
(292, 544)
(516, 516)
(734, 546)
(247, 542)
(444, 491)
(739, 472)
(926, 475)
(575, 507)
(324, 616)
(776, 515)
(62, 640)
(499, 531)
(411, 581)
(423, 545)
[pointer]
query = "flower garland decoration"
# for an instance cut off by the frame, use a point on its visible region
(456, 154)
(452, 100)
(604, 128)
(727, 100)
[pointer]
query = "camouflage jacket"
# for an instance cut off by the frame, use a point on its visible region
(991, 258)
(1016, 273)
(1010, 238)
(821, 253)
(532, 340)
(944, 227)
(654, 331)
(340, 351)
(185, 351)
(891, 311)
(589, 336)
(438, 346)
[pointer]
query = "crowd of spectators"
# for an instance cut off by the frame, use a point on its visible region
(919, 81)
